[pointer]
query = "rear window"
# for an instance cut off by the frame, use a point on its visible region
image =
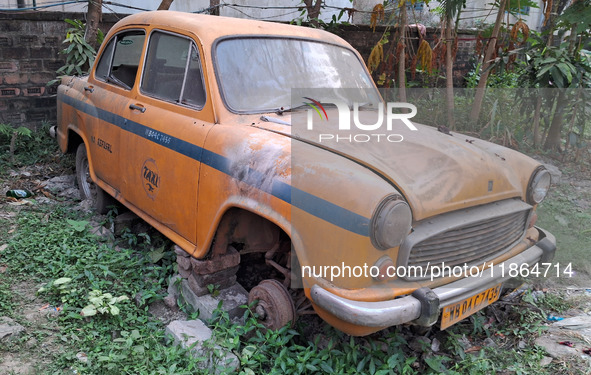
(173, 70)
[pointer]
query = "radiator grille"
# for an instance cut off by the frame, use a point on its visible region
(470, 244)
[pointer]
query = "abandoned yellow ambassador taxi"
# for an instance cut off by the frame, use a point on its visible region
(187, 120)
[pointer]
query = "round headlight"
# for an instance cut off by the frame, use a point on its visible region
(391, 223)
(539, 186)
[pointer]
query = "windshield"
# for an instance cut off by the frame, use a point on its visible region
(257, 74)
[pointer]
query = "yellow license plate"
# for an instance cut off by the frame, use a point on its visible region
(455, 312)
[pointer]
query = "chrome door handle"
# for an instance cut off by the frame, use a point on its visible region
(138, 107)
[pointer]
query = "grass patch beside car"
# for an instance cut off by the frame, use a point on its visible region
(55, 249)
(566, 213)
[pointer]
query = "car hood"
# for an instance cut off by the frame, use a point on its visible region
(435, 170)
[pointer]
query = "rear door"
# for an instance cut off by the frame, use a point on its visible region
(169, 120)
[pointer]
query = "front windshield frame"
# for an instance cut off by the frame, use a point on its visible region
(259, 36)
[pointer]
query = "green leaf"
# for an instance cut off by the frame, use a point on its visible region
(548, 60)
(557, 77)
(78, 225)
(157, 254)
(62, 280)
(326, 368)
(114, 310)
(566, 72)
(436, 363)
(89, 310)
(544, 70)
(74, 23)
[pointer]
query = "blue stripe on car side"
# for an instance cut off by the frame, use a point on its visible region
(309, 203)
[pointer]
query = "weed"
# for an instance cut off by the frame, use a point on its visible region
(548, 302)
(213, 289)
(102, 303)
(31, 147)
(6, 303)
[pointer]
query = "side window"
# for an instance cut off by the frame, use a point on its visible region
(173, 70)
(120, 59)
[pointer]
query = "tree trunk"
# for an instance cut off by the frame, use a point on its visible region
(12, 146)
(572, 43)
(553, 139)
(557, 9)
(93, 18)
(401, 58)
(573, 119)
(449, 73)
(481, 87)
(313, 9)
(536, 125)
(214, 11)
(165, 4)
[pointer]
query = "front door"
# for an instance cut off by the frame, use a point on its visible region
(169, 120)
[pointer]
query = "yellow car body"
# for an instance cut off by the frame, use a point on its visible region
(186, 165)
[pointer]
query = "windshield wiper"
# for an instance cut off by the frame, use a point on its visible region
(281, 110)
(275, 120)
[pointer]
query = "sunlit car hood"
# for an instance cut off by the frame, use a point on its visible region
(436, 172)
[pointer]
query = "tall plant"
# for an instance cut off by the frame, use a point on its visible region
(564, 67)
(79, 54)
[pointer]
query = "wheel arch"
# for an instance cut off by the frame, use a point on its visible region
(243, 215)
(72, 140)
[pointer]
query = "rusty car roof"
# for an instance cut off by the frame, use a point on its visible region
(209, 28)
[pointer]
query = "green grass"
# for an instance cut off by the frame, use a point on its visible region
(37, 147)
(562, 215)
(52, 244)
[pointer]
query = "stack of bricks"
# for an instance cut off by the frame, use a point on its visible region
(219, 271)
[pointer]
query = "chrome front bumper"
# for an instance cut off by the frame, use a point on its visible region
(422, 307)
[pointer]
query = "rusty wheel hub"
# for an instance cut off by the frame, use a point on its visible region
(275, 307)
